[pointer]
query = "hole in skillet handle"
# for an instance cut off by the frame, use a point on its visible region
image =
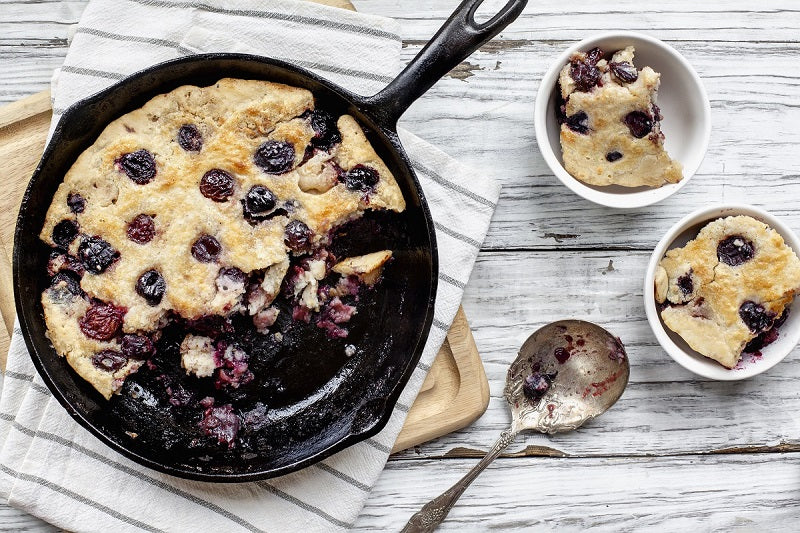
(456, 40)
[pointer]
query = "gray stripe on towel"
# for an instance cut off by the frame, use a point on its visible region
(309, 21)
(77, 497)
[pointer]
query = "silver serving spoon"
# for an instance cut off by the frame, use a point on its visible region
(566, 373)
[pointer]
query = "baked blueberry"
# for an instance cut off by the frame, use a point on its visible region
(326, 134)
(101, 321)
(140, 166)
(65, 232)
(96, 254)
(137, 347)
(585, 75)
(297, 235)
(536, 385)
(141, 229)
(685, 283)
(613, 156)
(190, 138)
(258, 202)
(217, 185)
(579, 123)
(206, 249)
(735, 250)
(275, 157)
(755, 316)
(76, 202)
(109, 360)
(151, 286)
(624, 71)
(639, 123)
(360, 178)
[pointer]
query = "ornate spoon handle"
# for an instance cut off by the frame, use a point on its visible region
(434, 512)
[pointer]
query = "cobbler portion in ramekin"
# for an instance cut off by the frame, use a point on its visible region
(729, 289)
(200, 237)
(610, 122)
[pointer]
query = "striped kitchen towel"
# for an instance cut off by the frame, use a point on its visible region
(53, 468)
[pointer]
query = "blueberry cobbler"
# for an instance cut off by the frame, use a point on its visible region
(199, 232)
(610, 123)
(728, 290)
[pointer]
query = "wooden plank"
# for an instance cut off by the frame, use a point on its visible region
(755, 492)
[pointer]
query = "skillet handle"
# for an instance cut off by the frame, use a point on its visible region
(454, 42)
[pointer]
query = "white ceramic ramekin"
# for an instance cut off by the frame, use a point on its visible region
(683, 102)
(683, 231)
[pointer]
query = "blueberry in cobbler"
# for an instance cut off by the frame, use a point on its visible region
(735, 250)
(217, 185)
(275, 157)
(141, 229)
(190, 138)
(624, 71)
(68, 281)
(101, 321)
(137, 346)
(755, 316)
(206, 249)
(360, 178)
(65, 232)
(685, 283)
(109, 360)
(639, 123)
(258, 202)
(613, 156)
(326, 134)
(298, 235)
(151, 286)
(579, 123)
(584, 71)
(76, 202)
(139, 166)
(96, 254)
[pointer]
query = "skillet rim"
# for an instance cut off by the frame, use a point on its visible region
(27, 314)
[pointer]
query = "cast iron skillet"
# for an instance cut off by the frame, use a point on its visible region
(335, 402)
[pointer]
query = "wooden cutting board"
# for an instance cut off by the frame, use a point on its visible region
(454, 393)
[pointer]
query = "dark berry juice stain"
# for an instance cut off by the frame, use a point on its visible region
(600, 387)
(561, 355)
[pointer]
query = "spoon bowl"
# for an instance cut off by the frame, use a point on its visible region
(565, 374)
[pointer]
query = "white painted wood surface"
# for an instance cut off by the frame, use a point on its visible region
(676, 452)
